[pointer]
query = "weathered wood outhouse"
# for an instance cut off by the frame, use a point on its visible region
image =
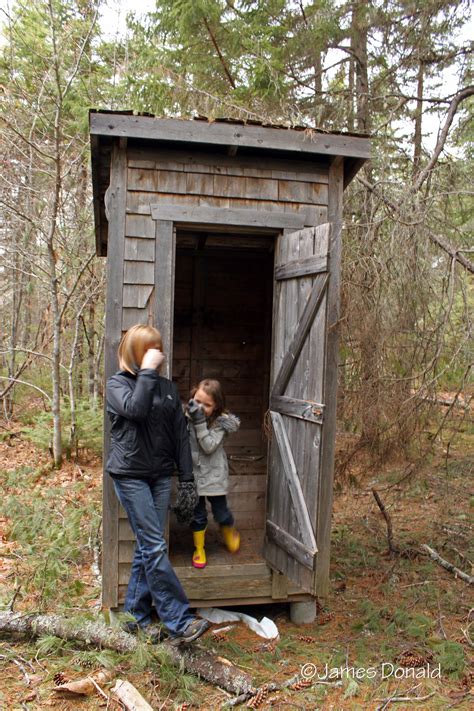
(227, 237)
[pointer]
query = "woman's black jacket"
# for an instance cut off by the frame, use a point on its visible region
(149, 438)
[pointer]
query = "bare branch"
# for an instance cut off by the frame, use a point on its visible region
(23, 382)
(445, 246)
(457, 99)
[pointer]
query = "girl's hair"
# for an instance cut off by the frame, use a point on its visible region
(135, 342)
(214, 389)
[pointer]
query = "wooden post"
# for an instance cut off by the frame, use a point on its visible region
(165, 252)
(323, 535)
(113, 330)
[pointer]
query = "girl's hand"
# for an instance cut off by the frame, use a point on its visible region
(152, 359)
(196, 412)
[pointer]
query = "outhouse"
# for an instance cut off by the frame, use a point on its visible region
(227, 237)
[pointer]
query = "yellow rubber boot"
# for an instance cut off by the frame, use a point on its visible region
(231, 538)
(199, 555)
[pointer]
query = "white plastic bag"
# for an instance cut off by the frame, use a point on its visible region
(265, 628)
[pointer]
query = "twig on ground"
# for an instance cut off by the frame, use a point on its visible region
(466, 634)
(98, 689)
(275, 687)
(11, 604)
(447, 565)
(403, 699)
(440, 622)
(19, 665)
(393, 549)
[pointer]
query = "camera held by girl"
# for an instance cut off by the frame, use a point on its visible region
(210, 423)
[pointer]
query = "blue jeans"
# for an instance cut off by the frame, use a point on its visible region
(152, 579)
(221, 512)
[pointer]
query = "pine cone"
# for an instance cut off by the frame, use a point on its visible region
(301, 684)
(259, 697)
(60, 678)
(219, 636)
(414, 659)
(84, 663)
(324, 618)
(306, 638)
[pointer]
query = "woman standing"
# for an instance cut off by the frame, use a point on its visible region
(149, 440)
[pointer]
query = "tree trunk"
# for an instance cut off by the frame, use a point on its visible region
(193, 659)
(90, 336)
(359, 47)
(418, 120)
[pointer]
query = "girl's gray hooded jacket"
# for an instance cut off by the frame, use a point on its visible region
(210, 467)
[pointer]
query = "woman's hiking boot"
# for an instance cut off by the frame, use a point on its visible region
(195, 629)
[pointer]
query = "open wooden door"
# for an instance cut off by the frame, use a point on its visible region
(296, 406)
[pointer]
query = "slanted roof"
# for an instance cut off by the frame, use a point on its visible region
(224, 136)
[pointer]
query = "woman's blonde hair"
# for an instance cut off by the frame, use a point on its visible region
(134, 344)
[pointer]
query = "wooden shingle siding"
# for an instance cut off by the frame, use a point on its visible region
(310, 171)
(139, 226)
(139, 250)
(202, 184)
(136, 295)
(138, 273)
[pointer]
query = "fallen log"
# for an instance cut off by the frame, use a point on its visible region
(193, 659)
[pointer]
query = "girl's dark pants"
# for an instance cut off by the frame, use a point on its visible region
(221, 512)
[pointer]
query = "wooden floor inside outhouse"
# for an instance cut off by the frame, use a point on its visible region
(222, 330)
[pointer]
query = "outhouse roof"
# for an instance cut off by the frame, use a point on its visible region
(225, 136)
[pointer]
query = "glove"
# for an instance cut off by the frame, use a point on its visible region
(196, 413)
(186, 501)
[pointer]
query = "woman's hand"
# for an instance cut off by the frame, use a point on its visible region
(152, 359)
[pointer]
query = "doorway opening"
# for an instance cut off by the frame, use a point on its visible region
(222, 330)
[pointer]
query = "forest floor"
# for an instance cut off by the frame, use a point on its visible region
(399, 625)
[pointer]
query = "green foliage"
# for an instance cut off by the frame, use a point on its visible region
(53, 536)
(49, 645)
(450, 655)
(89, 427)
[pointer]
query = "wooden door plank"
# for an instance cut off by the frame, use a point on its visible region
(290, 544)
(293, 482)
(303, 327)
(307, 410)
(279, 586)
(302, 267)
